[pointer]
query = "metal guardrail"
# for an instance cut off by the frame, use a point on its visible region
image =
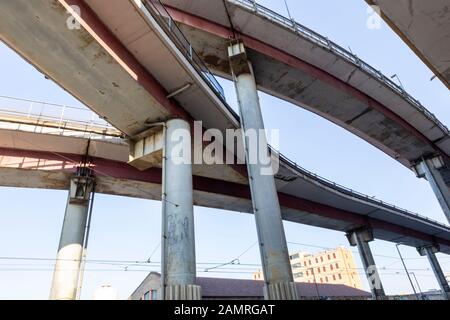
(324, 42)
(183, 44)
(348, 191)
(38, 110)
(162, 16)
(62, 116)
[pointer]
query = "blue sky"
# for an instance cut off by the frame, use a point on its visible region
(125, 229)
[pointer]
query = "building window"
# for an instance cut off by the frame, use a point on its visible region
(154, 294)
(298, 275)
(321, 259)
(147, 295)
(309, 262)
(334, 277)
(326, 279)
(331, 267)
(329, 258)
(297, 265)
(337, 265)
(321, 280)
(334, 255)
(317, 261)
(295, 256)
(307, 273)
(324, 269)
(339, 276)
(318, 270)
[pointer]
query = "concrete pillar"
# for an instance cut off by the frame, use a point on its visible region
(178, 238)
(272, 241)
(429, 168)
(430, 251)
(361, 239)
(67, 267)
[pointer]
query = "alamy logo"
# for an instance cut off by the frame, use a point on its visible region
(373, 277)
(213, 147)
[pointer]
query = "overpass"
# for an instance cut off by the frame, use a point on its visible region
(131, 64)
(42, 148)
(425, 27)
(298, 65)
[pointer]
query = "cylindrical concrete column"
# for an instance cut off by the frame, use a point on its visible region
(361, 239)
(178, 238)
(437, 183)
(440, 277)
(67, 267)
(272, 240)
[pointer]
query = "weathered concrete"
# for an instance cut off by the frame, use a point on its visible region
(304, 198)
(303, 71)
(361, 239)
(272, 240)
(425, 28)
(178, 237)
(71, 244)
(430, 169)
(430, 252)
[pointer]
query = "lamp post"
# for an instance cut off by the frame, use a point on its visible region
(406, 270)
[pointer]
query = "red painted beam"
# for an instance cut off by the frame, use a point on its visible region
(286, 58)
(100, 32)
(121, 170)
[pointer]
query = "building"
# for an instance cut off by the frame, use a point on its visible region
(429, 295)
(237, 289)
(327, 267)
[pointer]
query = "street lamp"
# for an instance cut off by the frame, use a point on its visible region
(406, 270)
(399, 81)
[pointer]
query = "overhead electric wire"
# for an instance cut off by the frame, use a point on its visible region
(233, 261)
(354, 251)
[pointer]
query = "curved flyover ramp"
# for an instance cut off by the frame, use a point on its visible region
(425, 27)
(126, 68)
(298, 65)
(47, 160)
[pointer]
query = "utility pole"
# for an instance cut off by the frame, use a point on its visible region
(418, 285)
(315, 283)
(406, 270)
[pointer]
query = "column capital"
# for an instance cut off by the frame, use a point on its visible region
(81, 186)
(434, 248)
(365, 233)
(238, 58)
(433, 162)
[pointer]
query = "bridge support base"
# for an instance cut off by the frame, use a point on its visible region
(183, 292)
(272, 241)
(280, 291)
(68, 261)
(429, 168)
(361, 239)
(178, 238)
(430, 251)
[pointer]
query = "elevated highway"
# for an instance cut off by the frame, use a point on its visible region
(39, 150)
(298, 65)
(131, 63)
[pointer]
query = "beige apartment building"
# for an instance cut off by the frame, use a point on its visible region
(327, 267)
(332, 266)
